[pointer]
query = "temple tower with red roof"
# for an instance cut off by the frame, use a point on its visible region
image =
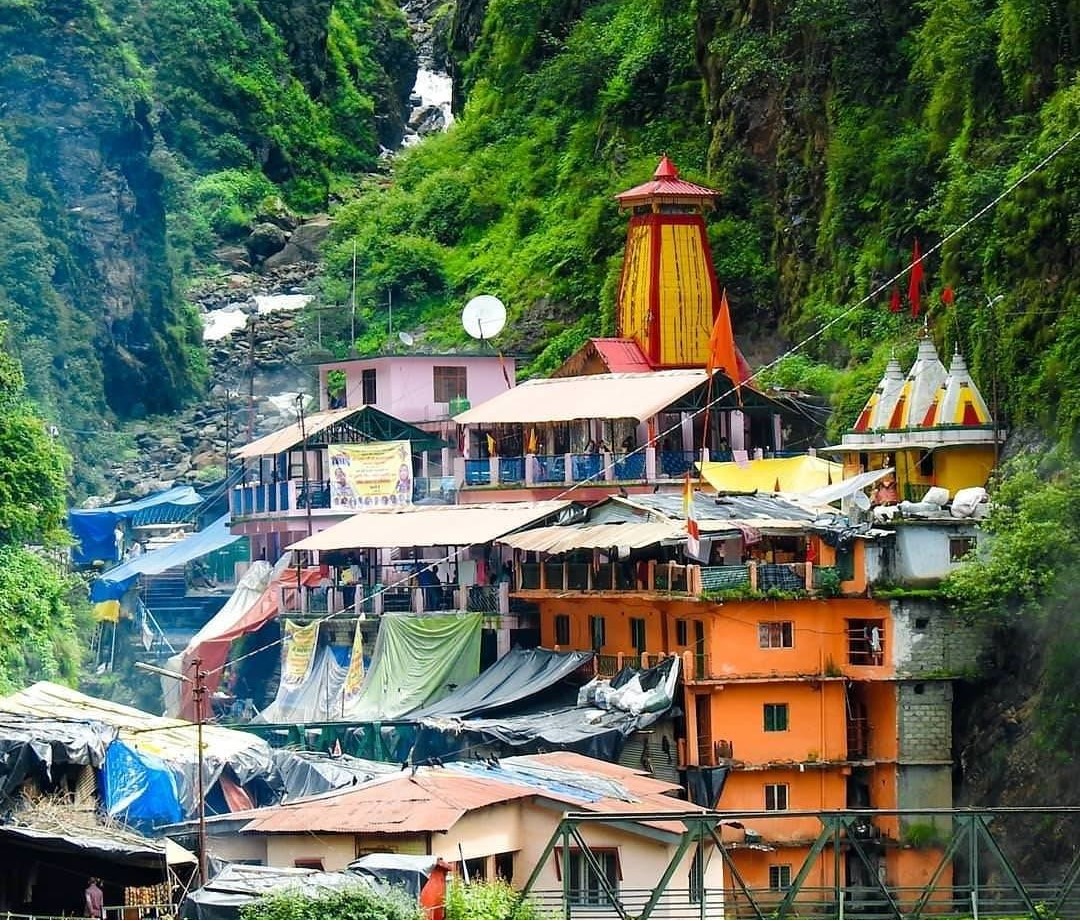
(668, 295)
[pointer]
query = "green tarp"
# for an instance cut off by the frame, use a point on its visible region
(418, 659)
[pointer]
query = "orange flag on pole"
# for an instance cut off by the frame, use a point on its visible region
(722, 355)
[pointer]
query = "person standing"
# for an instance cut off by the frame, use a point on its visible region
(95, 899)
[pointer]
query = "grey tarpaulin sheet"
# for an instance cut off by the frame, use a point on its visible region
(238, 885)
(31, 746)
(407, 871)
(316, 699)
(593, 731)
(311, 773)
(518, 676)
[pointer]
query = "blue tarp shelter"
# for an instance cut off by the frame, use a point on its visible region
(93, 528)
(139, 788)
(112, 585)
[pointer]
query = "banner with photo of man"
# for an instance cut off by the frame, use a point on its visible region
(377, 474)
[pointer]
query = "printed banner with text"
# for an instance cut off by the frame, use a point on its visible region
(373, 475)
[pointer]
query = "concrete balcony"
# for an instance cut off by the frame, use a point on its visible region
(356, 600)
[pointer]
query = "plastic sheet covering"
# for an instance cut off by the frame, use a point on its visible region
(316, 699)
(520, 675)
(418, 659)
(238, 885)
(173, 741)
(93, 528)
(406, 871)
(33, 746)
(114, 583)
(211, 644)
(599, 730)
(311, 773)
(139, 789)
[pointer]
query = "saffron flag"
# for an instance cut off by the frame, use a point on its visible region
(722, 356)
(917, 272)
(533, 442)
(693, 534)
(947, 296)
(894, 300)
(491, 445)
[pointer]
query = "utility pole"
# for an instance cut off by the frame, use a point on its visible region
(228, 432)
(352, 303)
(197, 680)
(304, 465)
(251, 379)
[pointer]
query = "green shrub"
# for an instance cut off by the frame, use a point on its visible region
(494, 899)
(359, 901)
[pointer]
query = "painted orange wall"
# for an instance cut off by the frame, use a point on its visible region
(753, 866)
(731, 631)
(812, 789)
(816, 723)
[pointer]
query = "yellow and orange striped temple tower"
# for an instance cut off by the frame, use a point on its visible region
(668, 294)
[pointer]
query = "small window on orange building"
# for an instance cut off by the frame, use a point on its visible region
(637, 634)
(866, 642)
(562, 629)
(776, 717)
(776, 797)
(598, 632)
(776, 634)
(780, 877)
(681, 633)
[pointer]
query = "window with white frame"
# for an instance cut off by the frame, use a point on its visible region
(776, 797)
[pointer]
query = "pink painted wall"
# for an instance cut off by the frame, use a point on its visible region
(405, 384)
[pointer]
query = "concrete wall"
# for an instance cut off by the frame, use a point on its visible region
(234, 846)
(335, 851)
(930, 640)
(925, 720)
(922, 549)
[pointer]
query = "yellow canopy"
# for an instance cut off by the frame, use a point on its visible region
(801, 474)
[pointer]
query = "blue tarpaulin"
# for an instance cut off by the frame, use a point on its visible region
(139, 788)
(93, 528)
(118, 580)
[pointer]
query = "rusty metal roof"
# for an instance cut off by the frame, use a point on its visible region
(433, 799)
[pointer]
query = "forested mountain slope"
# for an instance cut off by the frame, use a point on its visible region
(132, 134)
(838, 132)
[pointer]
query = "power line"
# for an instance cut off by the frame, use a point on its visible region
(453, 555)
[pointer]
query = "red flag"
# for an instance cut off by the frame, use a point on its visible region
(917, 272)
(722, 355)
(894, 301)
(947, 296)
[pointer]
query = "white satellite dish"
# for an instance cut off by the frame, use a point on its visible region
(406, 338)
(484, 317)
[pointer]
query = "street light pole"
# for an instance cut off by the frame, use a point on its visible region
(197, 680)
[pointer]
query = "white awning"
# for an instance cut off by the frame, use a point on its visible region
(290, 436)
(557, 539)
(593, 396)
(431, 526)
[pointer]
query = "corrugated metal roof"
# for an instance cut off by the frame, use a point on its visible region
(621, 355)
(290, 436)
(431, 525)
(433, 799)
(665, 184)
(592, 396)
(558, 539)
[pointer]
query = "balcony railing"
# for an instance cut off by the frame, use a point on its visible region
(673, 578)
(645, 465)
(337, 599)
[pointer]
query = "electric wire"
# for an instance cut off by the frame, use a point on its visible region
(454, 554)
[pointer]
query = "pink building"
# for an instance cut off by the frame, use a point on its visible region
(418, 389)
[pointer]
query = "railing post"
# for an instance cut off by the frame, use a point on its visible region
(752, 567)
(652, 575)
(292, 495)
(530, 469)
(565, 576)
(650, 464)
(809, 572)
(608, 472)
(568, 469)
(378, 604)
(418, 600)
(503, 590)
(493, 469)
(688, 665)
